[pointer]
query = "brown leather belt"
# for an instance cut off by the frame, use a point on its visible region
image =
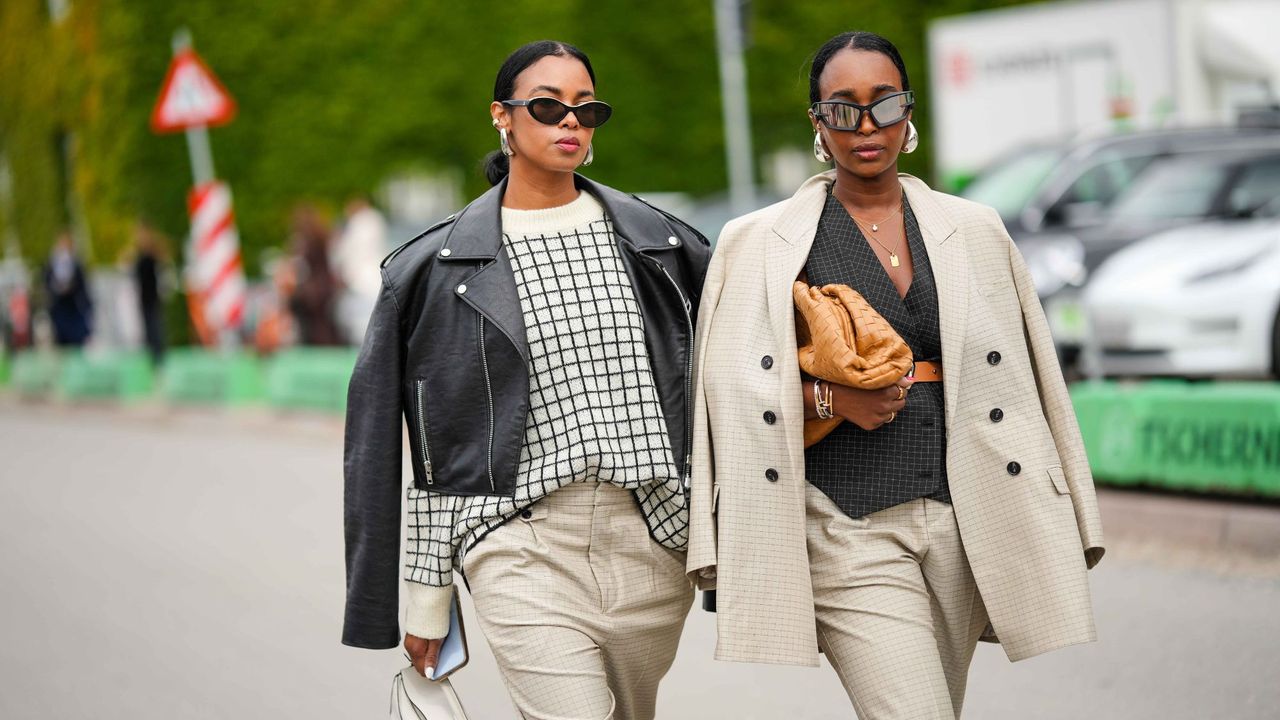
(926, 372)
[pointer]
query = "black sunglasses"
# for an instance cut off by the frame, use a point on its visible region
(550, 111)
(888, 110)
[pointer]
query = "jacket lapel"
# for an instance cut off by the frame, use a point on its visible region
(795, 227)
(950, 266)
(476, 237)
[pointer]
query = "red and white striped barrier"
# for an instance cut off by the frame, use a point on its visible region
(216, 273)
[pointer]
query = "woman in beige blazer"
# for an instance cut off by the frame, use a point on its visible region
(945, 505)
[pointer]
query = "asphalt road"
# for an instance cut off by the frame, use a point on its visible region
(189, 565)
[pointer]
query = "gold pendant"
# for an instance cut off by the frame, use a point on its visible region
(893, 260)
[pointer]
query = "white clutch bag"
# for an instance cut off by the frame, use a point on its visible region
(414, 697)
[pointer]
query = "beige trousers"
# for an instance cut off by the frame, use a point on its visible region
(582, 608)
(898, 612)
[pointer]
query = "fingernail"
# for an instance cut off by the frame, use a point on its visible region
(431, 672)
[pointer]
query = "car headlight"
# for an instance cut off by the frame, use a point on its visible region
(1055, 263)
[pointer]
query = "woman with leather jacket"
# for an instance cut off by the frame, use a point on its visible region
(539, 346)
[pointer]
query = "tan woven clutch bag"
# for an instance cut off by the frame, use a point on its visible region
(842, 339)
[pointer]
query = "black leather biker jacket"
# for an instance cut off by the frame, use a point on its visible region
(446, 351)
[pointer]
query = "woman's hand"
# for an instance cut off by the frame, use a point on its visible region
(869, 409)
(423, 654)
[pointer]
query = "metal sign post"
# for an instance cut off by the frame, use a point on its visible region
(191, 101)
(197, 135)
(733, 99)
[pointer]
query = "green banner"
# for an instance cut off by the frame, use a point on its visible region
(1221, 437)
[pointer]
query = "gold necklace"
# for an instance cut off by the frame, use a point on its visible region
(875, 226)
(892, 255)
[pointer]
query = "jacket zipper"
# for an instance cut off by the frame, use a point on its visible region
(688, 378)
(422, 436)
(488, 392)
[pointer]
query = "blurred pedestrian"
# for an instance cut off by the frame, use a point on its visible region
(955, 500)
(67, 288)
(275, 328)
(315, 292)
(359, 250)
(539, 344)
(148, 264)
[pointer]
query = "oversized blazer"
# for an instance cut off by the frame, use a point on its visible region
(1021, 486)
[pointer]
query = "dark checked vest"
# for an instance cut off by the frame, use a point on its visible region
(865, 471)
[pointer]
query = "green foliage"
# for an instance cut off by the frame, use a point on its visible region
(336, 96)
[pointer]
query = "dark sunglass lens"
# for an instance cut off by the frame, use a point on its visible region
(547, 110)
(890, 110)
(593, 114)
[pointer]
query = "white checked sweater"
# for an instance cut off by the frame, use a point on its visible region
(594, 411)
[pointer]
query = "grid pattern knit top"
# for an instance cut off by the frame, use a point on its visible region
(594, 411)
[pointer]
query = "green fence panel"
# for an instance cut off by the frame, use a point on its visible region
(1105, 412)
(197, 376)
(4, 368)
(310, 378)
(34, 373)
(1218, 437)
(111, 375)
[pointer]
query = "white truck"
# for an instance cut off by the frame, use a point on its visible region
(1003, 79)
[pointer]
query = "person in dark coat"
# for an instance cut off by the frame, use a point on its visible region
(315, 297)
(70, 305)
(146, 273)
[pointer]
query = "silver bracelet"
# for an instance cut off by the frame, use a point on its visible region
(821, 404)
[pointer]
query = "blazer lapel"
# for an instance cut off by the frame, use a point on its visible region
(784, 260)
(950, 266)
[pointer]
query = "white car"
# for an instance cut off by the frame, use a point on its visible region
(1198, 301)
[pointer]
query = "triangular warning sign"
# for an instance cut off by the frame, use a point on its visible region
(191, 96)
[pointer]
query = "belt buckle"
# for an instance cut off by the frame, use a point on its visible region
(912, 372)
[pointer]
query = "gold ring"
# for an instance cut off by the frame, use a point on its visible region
(892, 415)
(902, 392)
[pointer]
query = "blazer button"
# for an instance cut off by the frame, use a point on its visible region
(771, 475)
(769, 417)
(526, 513)
(1013, 468)
(766, 362)
(997, 415)
(993, 357)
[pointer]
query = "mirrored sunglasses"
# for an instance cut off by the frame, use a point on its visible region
(888, 110)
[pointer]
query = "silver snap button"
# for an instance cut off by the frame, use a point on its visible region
(672, 240)
(462, 289)
(446, 252)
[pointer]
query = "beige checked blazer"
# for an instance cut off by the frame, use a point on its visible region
(1029, 536)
